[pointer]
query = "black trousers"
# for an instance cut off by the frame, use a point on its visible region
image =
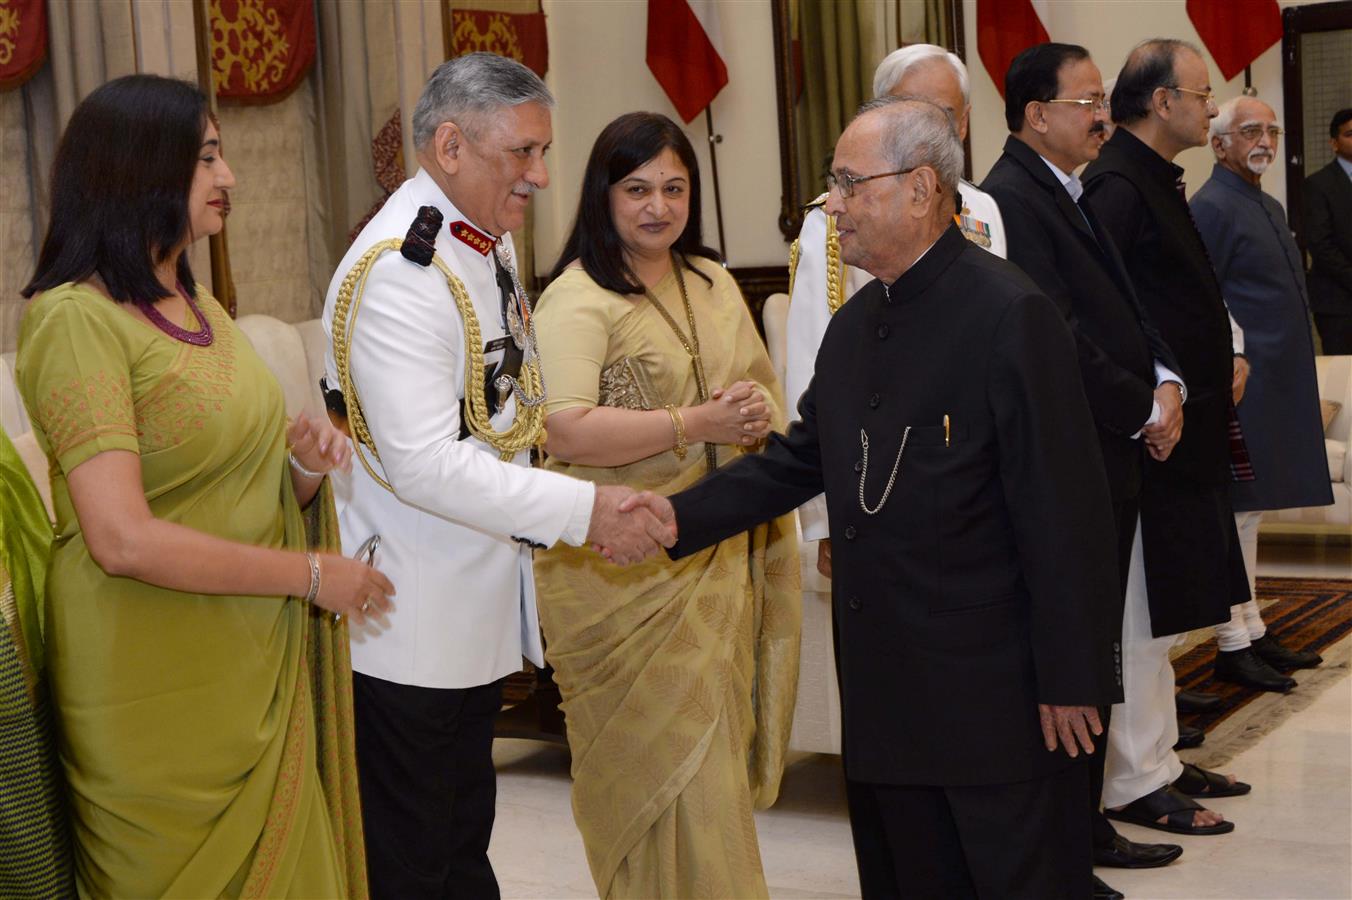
(1022, 840)
(1102, 831)
(428, 789)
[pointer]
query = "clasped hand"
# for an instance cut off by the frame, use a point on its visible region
(626, 529)
(735, 415)
(1161, 437)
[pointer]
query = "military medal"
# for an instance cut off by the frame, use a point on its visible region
(975, 230)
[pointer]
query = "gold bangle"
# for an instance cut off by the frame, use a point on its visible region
(678, 426)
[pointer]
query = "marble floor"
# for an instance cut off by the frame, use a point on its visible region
(1293, 835)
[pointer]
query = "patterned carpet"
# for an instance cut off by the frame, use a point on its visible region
(1304, 614)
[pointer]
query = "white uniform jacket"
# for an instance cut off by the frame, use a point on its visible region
(464, 612)
(809, 313)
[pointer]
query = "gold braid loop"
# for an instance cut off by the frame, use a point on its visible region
(794, 250)
(835, 272)
(527, 429)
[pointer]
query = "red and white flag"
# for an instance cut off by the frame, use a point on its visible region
(1236, 31)
(1004, 29)
(684, 53)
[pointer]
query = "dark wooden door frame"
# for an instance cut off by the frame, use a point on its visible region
(1296, 22)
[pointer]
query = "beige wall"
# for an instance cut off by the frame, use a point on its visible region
(597, 72)
(1109, 29)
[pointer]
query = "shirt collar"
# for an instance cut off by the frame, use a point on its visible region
(1346, 165)
(1230, 179)
(1071, 182)
(1155, 165)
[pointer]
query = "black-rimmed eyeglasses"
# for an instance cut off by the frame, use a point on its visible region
(845, 183)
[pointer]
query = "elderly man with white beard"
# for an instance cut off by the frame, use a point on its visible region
(1262, 277)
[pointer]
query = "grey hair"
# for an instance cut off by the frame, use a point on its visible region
(462, 90)
(919, 132)
(1225, 117)
(896, 64)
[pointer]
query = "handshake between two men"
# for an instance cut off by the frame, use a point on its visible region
(628, 527)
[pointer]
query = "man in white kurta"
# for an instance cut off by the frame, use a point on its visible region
(456, 521)
(817, 289)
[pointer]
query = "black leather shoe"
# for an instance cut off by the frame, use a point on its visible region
(1196, 701)
(1189, 737)
(1284, 658)
(1248, 669)
(1125, 854)
(1103, 892)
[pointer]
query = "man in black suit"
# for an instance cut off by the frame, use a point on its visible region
(1186, 568)
(974, 564)
(1328, 235)
(1056, 111)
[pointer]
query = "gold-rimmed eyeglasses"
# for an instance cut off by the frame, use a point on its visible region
(1208, 96)
(846, 183)
(1095, 105)
(1255, 131)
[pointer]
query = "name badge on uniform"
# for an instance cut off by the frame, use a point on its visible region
(495, 345)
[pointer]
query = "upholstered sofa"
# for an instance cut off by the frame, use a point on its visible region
(1335, 384)
(294, 353)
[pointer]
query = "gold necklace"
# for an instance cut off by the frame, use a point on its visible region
(691, 346)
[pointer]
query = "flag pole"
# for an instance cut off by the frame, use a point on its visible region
(714, 140)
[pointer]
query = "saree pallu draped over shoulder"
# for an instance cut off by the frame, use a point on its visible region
(678, 678)
(206, 739)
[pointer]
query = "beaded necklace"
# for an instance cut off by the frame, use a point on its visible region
(202, 338)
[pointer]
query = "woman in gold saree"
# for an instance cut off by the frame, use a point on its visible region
(678, 678)
(203, 707)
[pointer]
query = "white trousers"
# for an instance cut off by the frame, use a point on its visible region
(1144, 727)
(1246, 622)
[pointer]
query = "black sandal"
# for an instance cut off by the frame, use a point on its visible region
(1177, 808)
(1198, 782)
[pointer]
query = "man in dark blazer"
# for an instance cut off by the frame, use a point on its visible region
(1328, 235)
(1056, 110)
(1186, 568)
(974, 566)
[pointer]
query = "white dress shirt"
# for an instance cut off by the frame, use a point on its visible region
(464, 610)
(809, 314)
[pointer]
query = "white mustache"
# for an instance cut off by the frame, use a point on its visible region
(526, 188)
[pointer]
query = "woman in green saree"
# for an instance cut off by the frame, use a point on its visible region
(678, 678)
(203, 706)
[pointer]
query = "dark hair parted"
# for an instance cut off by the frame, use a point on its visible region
(1150, 65)
(1033, 76)
(120, 187)
(623, 146)
(1340, 118)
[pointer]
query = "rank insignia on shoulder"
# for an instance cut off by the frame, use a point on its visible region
(476, 239)
(975, 230)
(820, 201)
(420, 241)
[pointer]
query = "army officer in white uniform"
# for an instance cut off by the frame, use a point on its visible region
(819, 283)
(445, 477)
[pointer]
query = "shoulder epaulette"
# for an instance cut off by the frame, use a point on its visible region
(819, 202)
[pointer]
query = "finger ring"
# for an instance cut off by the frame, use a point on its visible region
(365, 606)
